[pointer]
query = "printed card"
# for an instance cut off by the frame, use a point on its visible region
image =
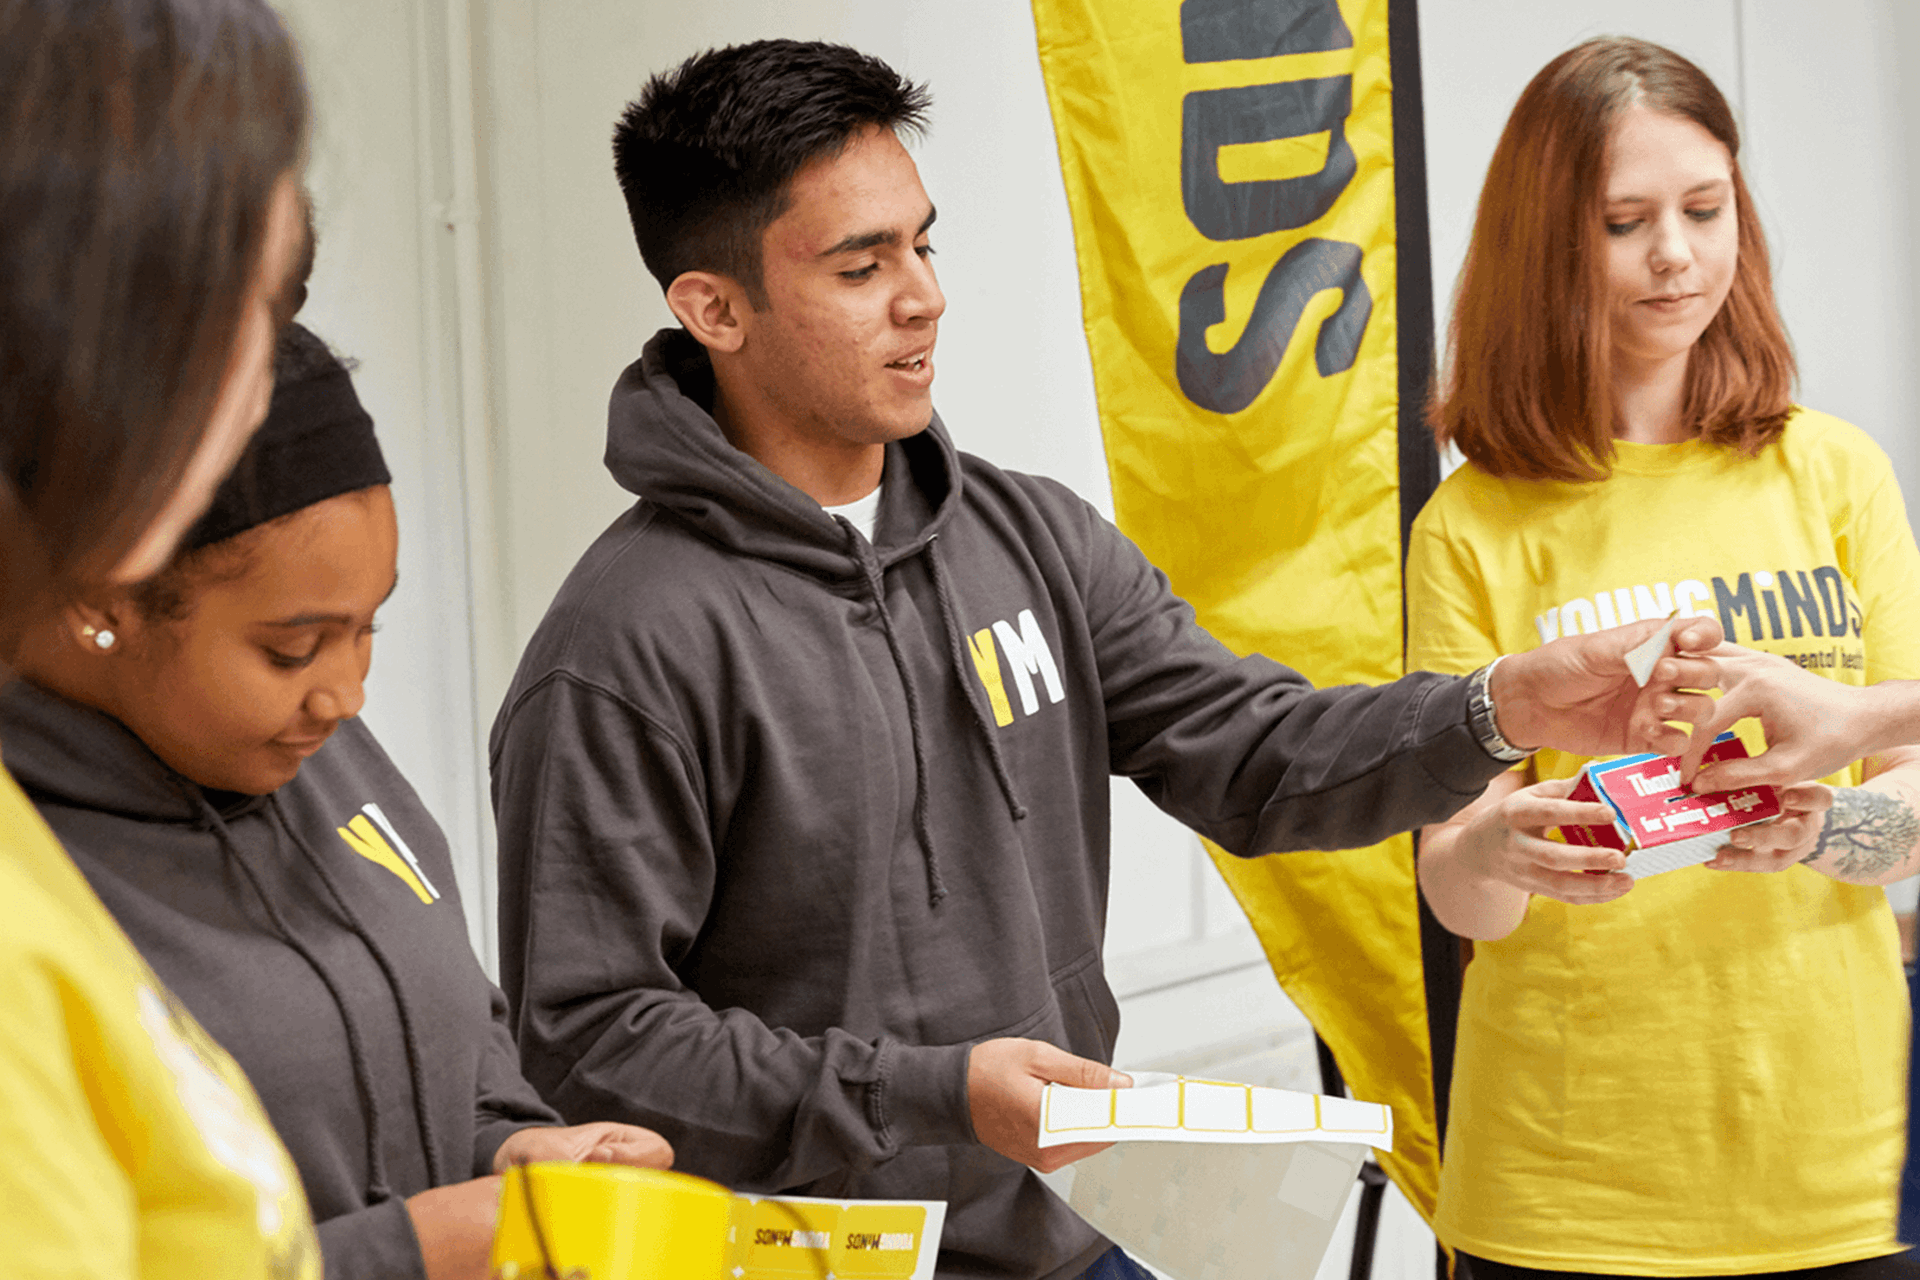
(1643, 657)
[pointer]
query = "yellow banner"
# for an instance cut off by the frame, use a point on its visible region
(1230, 169)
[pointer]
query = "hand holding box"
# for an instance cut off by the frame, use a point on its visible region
(1657, 822)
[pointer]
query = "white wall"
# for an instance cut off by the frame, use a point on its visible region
(385, 292)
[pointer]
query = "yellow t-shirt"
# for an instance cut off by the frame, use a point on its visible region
(130, 1144)
(1706, 1075)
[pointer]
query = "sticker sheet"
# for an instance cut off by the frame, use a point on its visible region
(1211, 1180)
(1162, 1108)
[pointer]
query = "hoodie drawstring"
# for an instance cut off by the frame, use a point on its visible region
(1015, 809)
(416, 1066)
(922, 826)
(377, 1189)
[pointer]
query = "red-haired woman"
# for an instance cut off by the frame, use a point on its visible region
(1702, 1076)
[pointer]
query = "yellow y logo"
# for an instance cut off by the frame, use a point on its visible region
(372, 843)
(987, 663)
(1028, 655)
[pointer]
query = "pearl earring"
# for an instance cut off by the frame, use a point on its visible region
(102, 639)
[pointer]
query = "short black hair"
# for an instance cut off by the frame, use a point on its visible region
(705, 154)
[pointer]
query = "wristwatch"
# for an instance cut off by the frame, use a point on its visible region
(1481, 719)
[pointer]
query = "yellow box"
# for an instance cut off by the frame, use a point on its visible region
(610, 1222)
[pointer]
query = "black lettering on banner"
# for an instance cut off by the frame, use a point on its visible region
(1229, 30)
(1230, 381)
(1739, 601)
(1801, 603)
(1238, 30)
(1217, 118)
(1833, 598)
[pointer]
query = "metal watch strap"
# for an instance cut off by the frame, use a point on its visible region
(1481, 719)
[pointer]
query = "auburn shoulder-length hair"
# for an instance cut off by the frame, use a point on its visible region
(1528, 389)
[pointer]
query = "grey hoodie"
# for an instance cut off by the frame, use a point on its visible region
(287, 941)
(788, 821)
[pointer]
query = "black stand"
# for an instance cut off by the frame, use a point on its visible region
(1373, 1179)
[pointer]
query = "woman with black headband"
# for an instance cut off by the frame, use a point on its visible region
(194, 743)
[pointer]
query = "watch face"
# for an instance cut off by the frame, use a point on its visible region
(1486, 730)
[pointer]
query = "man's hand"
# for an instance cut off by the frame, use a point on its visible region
(1576, 694)
(1814, 726)
(600, 1143)
(1005, 1079)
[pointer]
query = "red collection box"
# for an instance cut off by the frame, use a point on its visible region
(1659, 825)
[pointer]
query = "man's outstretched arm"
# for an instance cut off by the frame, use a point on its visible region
(1246, 752)
(1577, 695)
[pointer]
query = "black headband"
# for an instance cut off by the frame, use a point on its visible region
(316, 443)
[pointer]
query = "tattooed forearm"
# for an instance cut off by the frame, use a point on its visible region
(1866, 833)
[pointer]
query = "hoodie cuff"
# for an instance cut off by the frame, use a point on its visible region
(372, 1242)
(921, 1096)
(1449, 749)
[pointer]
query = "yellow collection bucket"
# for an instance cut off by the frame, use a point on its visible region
(610, 1222)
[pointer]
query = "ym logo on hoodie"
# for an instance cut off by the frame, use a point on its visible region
(1027, 656)
(373, 837)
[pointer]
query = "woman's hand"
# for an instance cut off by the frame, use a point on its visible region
(1780, 842)
(1507, 843)
(1480, 870)
(454, 1225)
(1814, 726)
(603, 1142)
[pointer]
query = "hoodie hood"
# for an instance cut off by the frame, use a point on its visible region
(664, 445)
(71, 754)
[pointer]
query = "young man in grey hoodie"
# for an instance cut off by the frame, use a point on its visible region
(802, 783)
